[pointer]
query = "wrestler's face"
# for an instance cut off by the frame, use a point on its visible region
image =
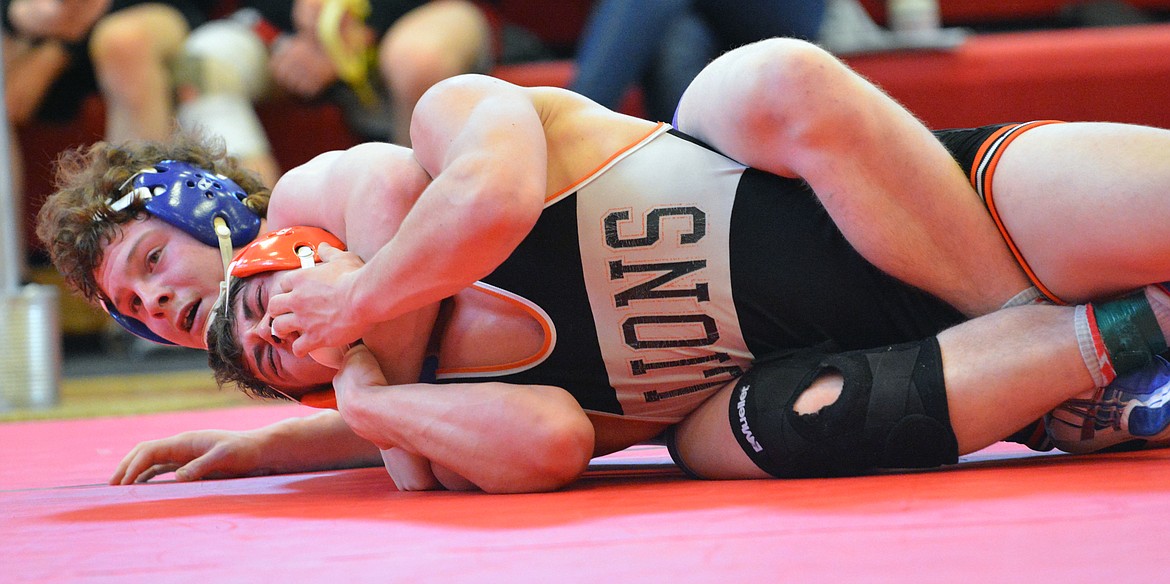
(158, 274)
(268, 357)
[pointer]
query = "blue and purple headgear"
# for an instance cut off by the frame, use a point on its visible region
(207, 206)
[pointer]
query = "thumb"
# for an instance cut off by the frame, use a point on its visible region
(327, 252)
(359, 368)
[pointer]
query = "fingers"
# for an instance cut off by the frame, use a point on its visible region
(213, 462)
(143, 463)
(284, 326)
(190, 455)
(136, 463)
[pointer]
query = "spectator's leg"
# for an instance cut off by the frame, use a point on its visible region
(132, 51)
(435, 41)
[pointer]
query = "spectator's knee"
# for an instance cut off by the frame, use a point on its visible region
(121, 43)
(410, 68)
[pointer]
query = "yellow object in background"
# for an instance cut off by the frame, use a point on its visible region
(353, 56)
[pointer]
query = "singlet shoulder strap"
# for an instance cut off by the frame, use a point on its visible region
(430, 367)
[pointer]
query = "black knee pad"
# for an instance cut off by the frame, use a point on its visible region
(892, 413)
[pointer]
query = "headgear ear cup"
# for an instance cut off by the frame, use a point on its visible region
(277, 250)
(190, 198)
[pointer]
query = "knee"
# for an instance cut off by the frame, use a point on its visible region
(120, 44)
(789, 85)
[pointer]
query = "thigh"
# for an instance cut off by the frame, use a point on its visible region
(704, 444)
(1088, 206)
(791, 109)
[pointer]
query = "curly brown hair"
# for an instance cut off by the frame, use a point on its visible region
(75, 223)
(225, 354)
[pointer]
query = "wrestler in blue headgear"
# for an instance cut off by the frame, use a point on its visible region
(207, 206)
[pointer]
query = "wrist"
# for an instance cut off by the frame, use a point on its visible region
(362, 298)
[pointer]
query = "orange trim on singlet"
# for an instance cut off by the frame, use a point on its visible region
(545, 347)
(575, 184)
(988, 169)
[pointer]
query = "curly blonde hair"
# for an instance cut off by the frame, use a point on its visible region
(75, 223)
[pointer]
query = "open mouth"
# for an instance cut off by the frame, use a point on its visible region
(188, 321)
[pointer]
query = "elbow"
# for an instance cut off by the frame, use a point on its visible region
(566, 452)
(559, 452)
(509, 211)
(799, 90)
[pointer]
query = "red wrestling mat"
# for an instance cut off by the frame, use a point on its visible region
(1001, 516)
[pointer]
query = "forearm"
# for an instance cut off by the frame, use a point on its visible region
(29, 72)
(319, 442)
(501, 438)
(455, 235)
(483, 143)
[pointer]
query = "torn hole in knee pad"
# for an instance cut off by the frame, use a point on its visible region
(845, 414)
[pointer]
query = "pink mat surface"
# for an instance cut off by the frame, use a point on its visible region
(1003, 515)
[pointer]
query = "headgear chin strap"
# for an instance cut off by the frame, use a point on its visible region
(207, 206)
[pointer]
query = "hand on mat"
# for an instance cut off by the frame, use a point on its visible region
(204, 454)
(313, 310)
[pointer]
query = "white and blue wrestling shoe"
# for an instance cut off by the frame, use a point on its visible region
(1131, 413)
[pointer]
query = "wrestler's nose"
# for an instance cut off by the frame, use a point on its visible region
(263, 331)
(156, 299)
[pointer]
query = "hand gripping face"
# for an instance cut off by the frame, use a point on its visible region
(192, 199)
(290, 248)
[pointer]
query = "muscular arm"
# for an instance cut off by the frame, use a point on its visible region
(483, 142)
(501, 438)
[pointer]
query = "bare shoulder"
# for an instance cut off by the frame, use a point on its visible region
(336, 190)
